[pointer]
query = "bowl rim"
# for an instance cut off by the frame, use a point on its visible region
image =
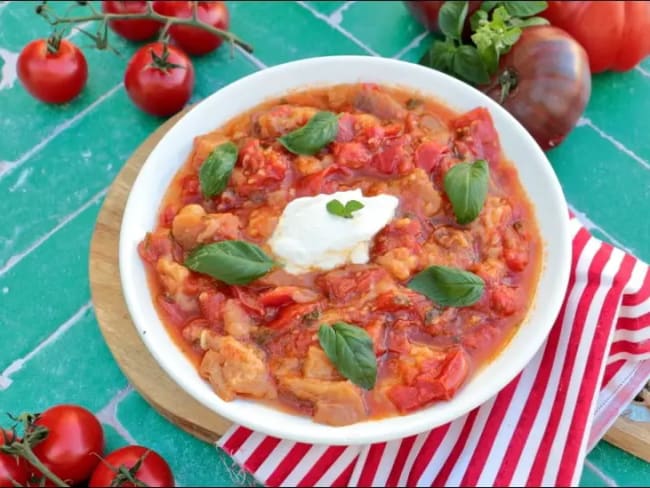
(373, 430)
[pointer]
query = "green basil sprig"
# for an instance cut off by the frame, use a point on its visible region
(313, 136)
(448, 287)
(495, 28)
(466, 185)
(217, 168)
(233, 262)
(335, 207)
(350, 349)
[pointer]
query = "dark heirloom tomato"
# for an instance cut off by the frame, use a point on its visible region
(544, 81)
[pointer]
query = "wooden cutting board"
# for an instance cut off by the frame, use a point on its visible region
(140, 367)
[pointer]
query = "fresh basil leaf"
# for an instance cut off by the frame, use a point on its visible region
(451, 18)
(490, 57)
(440, 56)
(335, 207)
(466, 185)
(525, 9)
(489, 5)
(216, 169)
(353, 206)
(313, 136)
(448, 287)
(351, 351)
(469, 66)
(233, 262)
(478, 17)
(510, 37)
(529, 22)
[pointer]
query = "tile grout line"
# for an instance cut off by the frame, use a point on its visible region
(336, 17)
(584, 121)
(254, 60)
(17, 258)
(7, 167)
(15, 366)
(337, 27)
(591, 225)
(604, 478)
(411, 45)
(108, 414)
(641, 70)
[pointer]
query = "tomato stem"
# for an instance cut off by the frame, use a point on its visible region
(53, 19)
(508, 80)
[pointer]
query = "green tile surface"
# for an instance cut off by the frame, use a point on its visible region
(57, 162)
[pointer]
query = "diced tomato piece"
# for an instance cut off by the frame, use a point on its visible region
(156, 245)
(345, 284)
(248, 300)
(325, 181)
(292, 315)
(393, 157)
(262, 168)
(172, 311)
(283, 295)
(427, 155)
(190, 190)
(398, 234)
(346, 128)
(476, 130)
(351, 154)
(197, 283)
(404, 397)
(503, 299)
(167, 215)
(515, 249)
(396, 341)
(211, 305)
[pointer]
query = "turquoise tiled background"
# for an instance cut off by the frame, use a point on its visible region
(57, 163)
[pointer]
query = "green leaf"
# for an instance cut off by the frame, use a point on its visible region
(335, 207)
(233, 262)
(466, 185)
(351, 351)
(511, 36)
(477, 18)
(440, 56)
(451, 18)
(216, 169)
(313, 136)
(525, 9)
(448, 287)
(489, 5)
(490, 57)
(468, 65)
(529, 22)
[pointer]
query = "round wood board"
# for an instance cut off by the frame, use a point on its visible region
(114, 320)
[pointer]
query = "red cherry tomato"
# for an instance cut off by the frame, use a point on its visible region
(73, 445)
(12, 468)
(154, 470)
(192, 40)
(134, 30)
(157, 89)
(52, 77)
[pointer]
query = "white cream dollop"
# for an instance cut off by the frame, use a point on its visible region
(309, 238)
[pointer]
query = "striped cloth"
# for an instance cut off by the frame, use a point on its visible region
(536, 431)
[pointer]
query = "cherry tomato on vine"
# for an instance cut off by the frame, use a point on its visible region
(159, 79)
(193, 40)
(136, 29)
(153, 470)
(12, 468)
(73, 445)
(54, 71)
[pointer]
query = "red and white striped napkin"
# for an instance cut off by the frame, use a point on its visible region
(536, 431)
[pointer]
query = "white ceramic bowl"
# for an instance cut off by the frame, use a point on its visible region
(536, 176)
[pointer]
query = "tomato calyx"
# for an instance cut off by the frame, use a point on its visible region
(123, 474)
(33, 435)
(161, 62)
(54, 42)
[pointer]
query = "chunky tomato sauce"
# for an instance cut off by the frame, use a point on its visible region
(260, 340)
